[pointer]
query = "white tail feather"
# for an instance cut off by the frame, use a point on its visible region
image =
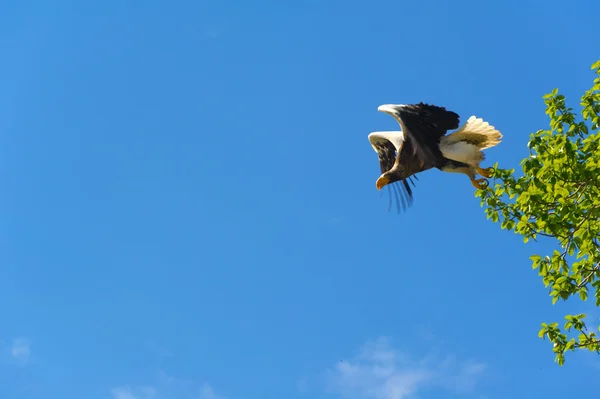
(477, 132)
(468, 141)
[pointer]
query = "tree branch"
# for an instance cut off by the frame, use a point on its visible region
(586, 279)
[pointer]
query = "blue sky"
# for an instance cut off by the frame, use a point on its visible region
(189, 207)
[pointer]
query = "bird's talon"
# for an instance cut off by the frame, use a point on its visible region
(487, 172)
(479, 183)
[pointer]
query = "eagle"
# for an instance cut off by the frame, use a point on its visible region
(422, 144)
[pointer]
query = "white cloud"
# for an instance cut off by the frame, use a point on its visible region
(125, 392)
(164, 377)
(302, 384)
(20, 349)
(206, 392)
(149, 392)
(382, 372)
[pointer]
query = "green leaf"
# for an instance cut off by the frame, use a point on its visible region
(570, 345)
(557, 195)
(572, 248)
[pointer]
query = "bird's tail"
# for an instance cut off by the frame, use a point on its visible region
(476, 132)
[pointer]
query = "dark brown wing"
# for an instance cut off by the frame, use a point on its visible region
(400, 191)
(386, 153)
(423, 125)
(408, 167)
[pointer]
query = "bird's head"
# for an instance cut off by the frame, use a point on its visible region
(385, 179)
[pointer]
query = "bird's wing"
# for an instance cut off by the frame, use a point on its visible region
(386, 146)
(423, 125)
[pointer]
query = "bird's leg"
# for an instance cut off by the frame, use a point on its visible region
(487, 172)
(467, 170)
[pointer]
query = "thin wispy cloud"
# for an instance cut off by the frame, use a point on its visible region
(164, 377)
(123, 393)
(207, 392)
(20, 350)
(204, 391)
(126, 392)
(302, 384)
(380, 371)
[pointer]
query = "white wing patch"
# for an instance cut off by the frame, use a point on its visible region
(395, 137)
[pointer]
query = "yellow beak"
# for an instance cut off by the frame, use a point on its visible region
(382, 181)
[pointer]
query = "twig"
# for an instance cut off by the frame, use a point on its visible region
(585, 280)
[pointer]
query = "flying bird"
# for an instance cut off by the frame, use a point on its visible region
(422, 144)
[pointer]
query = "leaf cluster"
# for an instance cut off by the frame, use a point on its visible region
(558, 196)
